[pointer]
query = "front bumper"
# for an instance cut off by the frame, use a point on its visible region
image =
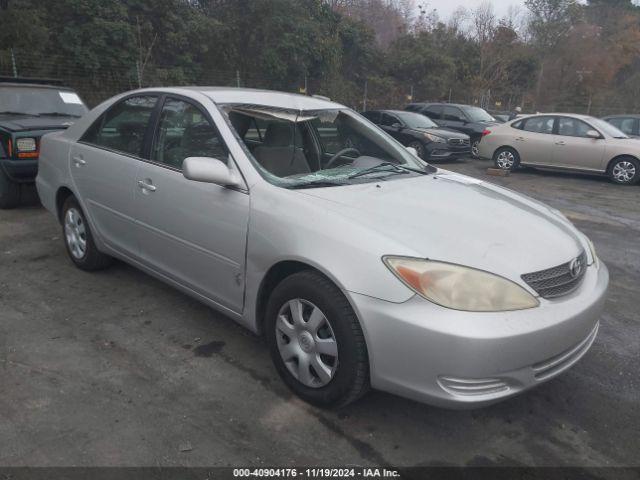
(455, 359)
(20, 170)
(442, 151)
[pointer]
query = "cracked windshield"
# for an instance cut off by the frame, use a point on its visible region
(320, 148)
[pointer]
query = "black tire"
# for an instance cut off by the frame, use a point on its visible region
(9, 192)
(92, 259)
(351, 375)
(419, 147)
(506, 158)
(620, 168)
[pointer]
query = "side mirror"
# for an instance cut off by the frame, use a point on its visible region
(594, 134)
(412, 151)
(209, 170)
(397, 126)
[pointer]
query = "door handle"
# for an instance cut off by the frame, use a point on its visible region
(79, 161)
(146, 186)
(560, 143)
(520, 139)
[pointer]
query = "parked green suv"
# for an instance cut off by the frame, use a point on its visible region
(29, 108)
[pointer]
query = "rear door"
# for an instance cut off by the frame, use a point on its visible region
(434, 112)
(454, 118)
(195, 233)
(103, 167)
(535, 140)
(574, 149)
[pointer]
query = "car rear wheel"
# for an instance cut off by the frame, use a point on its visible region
(316, 342)
(419, 147)
(625, 171)
(506, 159)
(9, 192)
(78, 239)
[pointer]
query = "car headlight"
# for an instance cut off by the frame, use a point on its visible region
(434, 138)
(458, 287)
(27, 144)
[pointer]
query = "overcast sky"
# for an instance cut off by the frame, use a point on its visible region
(447, 7)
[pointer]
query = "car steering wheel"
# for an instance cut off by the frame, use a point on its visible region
(333, 159)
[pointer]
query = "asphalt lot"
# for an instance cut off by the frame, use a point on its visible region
(116, 368)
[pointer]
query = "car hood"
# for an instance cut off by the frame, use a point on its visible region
(442, 132)
(458, 219)
(19, 123)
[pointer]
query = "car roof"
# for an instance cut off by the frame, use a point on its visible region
(253, 96)
(579, 116)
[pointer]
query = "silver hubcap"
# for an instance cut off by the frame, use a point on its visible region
(306, 343)
(475, 151)
(624, 171)
(75, 233)
(505, 160)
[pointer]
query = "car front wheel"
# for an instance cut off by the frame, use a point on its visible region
(419, 147)
(506, 158)
(625, 171)
(79, 240)
(475, 147)
(316, 342)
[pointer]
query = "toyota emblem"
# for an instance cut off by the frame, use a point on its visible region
(575, 267)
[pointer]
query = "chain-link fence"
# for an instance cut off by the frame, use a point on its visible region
(98, 84)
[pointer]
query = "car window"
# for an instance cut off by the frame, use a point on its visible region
(388, 120)
(184, 131)
(434, 111)
(539, 125)
(373, 116)
(626, 125)
(123, 127)
(452, 114)
(572, 127)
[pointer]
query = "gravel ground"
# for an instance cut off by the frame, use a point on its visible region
(116, 368)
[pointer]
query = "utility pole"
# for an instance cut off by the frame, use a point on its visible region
(364, 101)
(450, 91)
(13, 62)
(238, 78)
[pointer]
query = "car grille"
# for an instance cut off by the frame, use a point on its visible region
(459, 141)
(560, 280)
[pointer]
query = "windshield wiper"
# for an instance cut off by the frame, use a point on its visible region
(399, 169)
(8, 112)
(381, 167)
(316, 184)
(57, 114)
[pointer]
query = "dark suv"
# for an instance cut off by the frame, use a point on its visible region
(464, 118)
(29, 108)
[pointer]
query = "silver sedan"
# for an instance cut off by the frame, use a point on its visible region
(362, 265)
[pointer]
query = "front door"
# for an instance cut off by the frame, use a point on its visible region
(195, 233)
(104, 164)
(574, 149)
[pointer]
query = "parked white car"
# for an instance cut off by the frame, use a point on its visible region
(564, 142)
(361, 264)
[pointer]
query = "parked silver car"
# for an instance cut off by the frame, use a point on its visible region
(361, 264)
(564, 142)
